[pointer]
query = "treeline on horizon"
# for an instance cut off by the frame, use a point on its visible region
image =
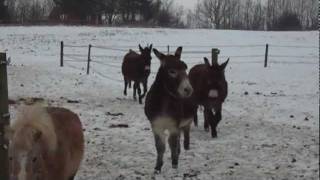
(213, 14)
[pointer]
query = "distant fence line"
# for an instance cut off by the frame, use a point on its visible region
(91, 58)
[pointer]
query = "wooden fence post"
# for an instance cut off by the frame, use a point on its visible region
(168, 49)
(4, 118)
(88, 63)
(214, 56)
(266, 56)
(61, 54)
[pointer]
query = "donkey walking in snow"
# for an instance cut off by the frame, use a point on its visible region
(210, 90)
(168, 106)
(136, 68)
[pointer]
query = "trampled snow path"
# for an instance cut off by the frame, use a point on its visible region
(271, 133)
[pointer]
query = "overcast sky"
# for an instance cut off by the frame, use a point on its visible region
(188, 4)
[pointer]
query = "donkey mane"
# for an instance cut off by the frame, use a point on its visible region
(37, 118)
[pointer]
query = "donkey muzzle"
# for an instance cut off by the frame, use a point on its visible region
(185, 89)
(213, 93)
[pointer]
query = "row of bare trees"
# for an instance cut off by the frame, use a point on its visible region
(254, 14)
(110, 12)
(217, 14)
(31, 10)
(154, 12)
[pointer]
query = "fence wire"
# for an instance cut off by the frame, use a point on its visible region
(75, 46)
(74, 67)
(105, 76)
(74, 58)
(105, 64)
(101, 59)
(289, 56)
(292, 46)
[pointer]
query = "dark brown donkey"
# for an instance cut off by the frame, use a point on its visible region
(210, 90)
(168, 106)
(45, 144)
(136, 67)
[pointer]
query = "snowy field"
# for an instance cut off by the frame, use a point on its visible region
(270, 123)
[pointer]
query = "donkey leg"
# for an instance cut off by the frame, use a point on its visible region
(210, 118)
(125, 86)
(186, 140)
(174, 142)
(195, 117)
(139, 93)
(72, 177)
(208, 115)
(216, 120)
(134, 90)
(129, 84)
(145, 87)
(161, 147)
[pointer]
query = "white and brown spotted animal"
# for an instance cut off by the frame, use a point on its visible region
(136, 67)
(210, 90)
(45, 144)
(169, 107)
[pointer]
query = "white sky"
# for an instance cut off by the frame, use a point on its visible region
(188, 4)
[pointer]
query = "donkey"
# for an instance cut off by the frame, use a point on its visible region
(45, 144)
(168, 106)
(210, 90)
(136, 68)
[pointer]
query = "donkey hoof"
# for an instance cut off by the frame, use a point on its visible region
(214, 135)
(175, 166)
(186, 147)
(125, 93)
(206, 129)
(157, 171)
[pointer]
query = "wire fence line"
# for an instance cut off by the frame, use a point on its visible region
(75, 46)
(112, 61)
(291, 56)
(74, 67)
(292, 46)
(74, 58)
(106, 76)
(106, 64)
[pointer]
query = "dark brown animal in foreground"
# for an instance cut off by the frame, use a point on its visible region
(136, 67)
(168, 106)
(45, 144)
(210, 90)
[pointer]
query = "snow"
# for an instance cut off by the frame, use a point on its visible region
(270, 133)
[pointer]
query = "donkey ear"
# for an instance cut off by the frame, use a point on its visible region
(37, 135)
(140, 48)
(178, 52)
(224, 65)
(206, 61)
(160, 56)
(150, 47)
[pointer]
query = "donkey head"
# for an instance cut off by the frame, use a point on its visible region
(173, 74)
(146, 56)
(215, 82)
(25, 157)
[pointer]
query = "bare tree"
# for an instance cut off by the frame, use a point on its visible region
(257, 16)
(211, 10)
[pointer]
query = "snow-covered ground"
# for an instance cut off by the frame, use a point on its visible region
(270, 133)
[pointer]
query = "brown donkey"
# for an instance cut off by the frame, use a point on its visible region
(168, 106)
(136, 68)
(210, 90)
(45, 144)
